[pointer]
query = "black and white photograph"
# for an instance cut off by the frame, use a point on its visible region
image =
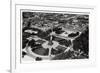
(54, 36)
(50, 36)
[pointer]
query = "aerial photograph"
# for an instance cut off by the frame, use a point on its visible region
(54, 36)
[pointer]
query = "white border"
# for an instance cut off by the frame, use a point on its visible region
(15, 46)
